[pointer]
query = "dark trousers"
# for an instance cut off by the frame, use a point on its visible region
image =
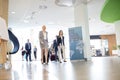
(35, 55)
(28, 54)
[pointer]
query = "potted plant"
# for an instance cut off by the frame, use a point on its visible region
(118, 47)
(114, 51)
(118, 50)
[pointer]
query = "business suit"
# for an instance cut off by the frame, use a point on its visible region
(28, 49)
(43, 41)
(60, 40)
(61, 47)
(43, 38)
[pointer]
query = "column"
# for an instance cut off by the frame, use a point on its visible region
(81, 19)
(117, 31)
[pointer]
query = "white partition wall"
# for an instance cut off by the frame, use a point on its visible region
(117, 30)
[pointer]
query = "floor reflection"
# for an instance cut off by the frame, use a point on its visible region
(104, 68)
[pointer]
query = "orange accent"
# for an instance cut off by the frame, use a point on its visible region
(111, 42)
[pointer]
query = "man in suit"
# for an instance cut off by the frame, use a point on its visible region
(28, 49)
(43, 37)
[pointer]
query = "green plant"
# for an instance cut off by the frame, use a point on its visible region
(114, 48)
(118, 47)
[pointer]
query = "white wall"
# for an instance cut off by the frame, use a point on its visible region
(117, 32)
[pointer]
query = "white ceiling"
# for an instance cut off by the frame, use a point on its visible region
(28, 10)
(97, 26)
(34, 13)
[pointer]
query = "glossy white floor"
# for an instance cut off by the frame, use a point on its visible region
(99, 68)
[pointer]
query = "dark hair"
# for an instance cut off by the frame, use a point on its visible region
(60, 32)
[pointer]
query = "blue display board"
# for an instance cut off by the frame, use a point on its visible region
(76, 43)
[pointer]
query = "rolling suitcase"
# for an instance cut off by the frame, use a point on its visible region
(52, 57)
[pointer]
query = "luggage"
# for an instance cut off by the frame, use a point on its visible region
(52, 57)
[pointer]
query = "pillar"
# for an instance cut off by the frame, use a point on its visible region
(117, 32)
(81, 19)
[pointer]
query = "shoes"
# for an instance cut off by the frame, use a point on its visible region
(65, 61)
(60, 62)
(41, 62)
(46, 63)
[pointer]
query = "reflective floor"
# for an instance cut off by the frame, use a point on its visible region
(99, 68)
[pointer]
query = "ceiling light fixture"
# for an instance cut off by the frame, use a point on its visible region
(65, 3)
(26, 21)
(85, 1)
(42, 7)
(12, 12)
(69, 3)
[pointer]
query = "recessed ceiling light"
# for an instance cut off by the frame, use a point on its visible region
(65, 3)
(28, 17)
(86, 1)
(26, 21)
(13, 12)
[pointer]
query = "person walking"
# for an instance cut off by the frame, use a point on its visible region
(28, 50)
(35, 52)
(61, 46)
(43, 37)
(23, 51)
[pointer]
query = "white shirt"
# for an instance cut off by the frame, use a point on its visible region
(62, 40)
(45, 35)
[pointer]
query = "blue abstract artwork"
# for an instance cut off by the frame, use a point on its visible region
(76, 43)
